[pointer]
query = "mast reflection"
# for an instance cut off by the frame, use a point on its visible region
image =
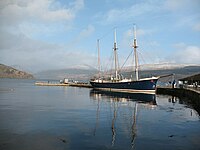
(130, 102)
(119, 96)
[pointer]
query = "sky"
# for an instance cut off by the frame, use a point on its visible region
(38, 35)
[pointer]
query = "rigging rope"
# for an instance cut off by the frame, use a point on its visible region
(141, 56)
(110, 60)
(126, 60)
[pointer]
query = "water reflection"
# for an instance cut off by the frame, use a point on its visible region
(125, 104)
(176, 100)
(50, 118)
(173, 99)
(119, 96)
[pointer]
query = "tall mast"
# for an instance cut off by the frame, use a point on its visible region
(115, 54)
(135, 54)
(99, 67)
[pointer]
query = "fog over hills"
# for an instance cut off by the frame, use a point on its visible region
(84, 72)
(81, 72)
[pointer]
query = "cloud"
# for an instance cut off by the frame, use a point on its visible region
(35, 55)
(36, 17)
(32, 31)
(25, 22)
(174, 5)
(140, 32)
(87, 32)
(185, 12)
(127, 40)
(78, 5)
(84, 34)
(15, 12)
(196, 26)
(183, 53)
(182, 5)
(132, 11)
(180, 11)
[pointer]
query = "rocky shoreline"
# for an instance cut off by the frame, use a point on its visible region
(10, 72)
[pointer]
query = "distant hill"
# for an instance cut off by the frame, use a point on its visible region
(10, 72)
(70, 73)
(80, 73)
(179, 72)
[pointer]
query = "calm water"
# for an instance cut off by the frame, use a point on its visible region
(49, 118)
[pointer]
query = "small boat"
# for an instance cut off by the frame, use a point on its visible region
(117, 83)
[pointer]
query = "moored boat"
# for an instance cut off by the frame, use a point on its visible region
(147, 85)
(117, 83)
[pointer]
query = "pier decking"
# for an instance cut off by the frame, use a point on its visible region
(80, 85)
(50, 84)
(63, 84)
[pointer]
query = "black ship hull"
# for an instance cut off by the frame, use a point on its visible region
(141, 86)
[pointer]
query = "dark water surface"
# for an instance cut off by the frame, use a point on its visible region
(60, 118)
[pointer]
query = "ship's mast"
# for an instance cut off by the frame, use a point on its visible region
(135, 54)
(99, 67)
(115, 55)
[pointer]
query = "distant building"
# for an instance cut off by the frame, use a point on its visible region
(191, 81)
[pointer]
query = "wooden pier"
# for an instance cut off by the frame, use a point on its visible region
(50, 84)
(80, 85)
(63, 84)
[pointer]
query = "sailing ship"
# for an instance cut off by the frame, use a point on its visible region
(119, 84)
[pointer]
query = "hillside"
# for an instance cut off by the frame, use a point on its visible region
(179, 72)
(87, 73)
(70, 73)
(10, 72)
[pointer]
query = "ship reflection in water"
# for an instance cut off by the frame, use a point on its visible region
(120, 96)
(123, 105)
